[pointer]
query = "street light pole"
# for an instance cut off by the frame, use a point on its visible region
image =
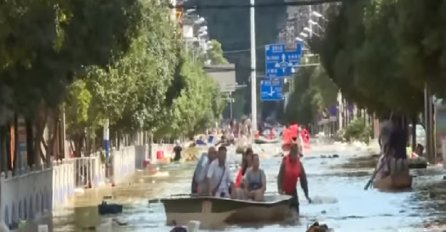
(253, 69)
(230, 106)
(311, 26)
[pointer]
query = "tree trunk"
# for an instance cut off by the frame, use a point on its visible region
(29, 142)
(44, 150)
(414, 133)
(9, 148)
(40, 123)
(78, 144)
(3, 148)
(16, 144)
(54, 119)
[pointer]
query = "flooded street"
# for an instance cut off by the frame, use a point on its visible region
(336, 187)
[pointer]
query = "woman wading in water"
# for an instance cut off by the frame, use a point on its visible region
(392, 170)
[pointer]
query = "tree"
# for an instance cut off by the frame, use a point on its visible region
(323, 90)
(130, 92)
(197, 105)
(153, 86)
(216, 53)
(300, 108)
(421, 36)
(45, 44)
(359, 39)
(312, 93)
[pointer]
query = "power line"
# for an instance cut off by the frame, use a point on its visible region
(245, 50)
(242, 50)
(258, 5)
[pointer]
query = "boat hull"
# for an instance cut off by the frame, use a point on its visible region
(214, 212)
(394, 182)
(265, 141)
(417, 163)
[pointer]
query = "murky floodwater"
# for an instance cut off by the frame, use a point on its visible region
(336, 189)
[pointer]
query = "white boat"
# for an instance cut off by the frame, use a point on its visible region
(214, 212)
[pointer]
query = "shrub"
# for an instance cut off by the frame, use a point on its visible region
(358, 130)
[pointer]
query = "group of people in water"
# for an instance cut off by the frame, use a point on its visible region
(212, 176)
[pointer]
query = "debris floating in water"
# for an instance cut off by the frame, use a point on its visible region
(316, 227)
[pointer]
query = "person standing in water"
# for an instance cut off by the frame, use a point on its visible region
(177, 150)
(291, 171)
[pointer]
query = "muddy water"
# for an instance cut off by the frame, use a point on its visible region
(336, 187)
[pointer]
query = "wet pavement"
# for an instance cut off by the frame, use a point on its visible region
(336, 187)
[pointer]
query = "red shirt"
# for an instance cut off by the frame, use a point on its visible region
(238, 178)
(291, 174)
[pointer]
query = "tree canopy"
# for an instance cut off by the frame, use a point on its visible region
(114, 60)
(154, 86)
(382, 53)
(215, 53)
(312, 92)
(45, 43)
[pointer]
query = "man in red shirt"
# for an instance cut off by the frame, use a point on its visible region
(292, 170)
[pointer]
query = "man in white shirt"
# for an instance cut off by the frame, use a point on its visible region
(199, 181)
(219, 176)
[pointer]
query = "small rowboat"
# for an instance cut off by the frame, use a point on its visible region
(214, 212)
(400, 181)
(263, 140)
(418, 163)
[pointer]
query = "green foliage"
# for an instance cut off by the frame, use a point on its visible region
(358, 130)
(421, 37)
(324, 92)
(300, 108)
(313, 92)
(105, 60)
(78, 103)
(198, 104)
(43, 44)
(130, 92)
(153, 86)
(362, 53)
(215, 53)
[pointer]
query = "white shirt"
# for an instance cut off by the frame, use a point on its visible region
(201, 169)
(214, 173)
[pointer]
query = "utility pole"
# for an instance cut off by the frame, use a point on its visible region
(340, 111)
(428, 124)
(253, 70)
(231, 101)
(311, 25)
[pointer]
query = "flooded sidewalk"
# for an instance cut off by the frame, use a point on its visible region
(336, 187)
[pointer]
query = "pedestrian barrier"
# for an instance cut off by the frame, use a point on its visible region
(141, 156)
(123, 163)
(35, 192)
(89, 171)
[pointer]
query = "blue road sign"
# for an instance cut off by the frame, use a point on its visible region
(279, 62)
(271, 89)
